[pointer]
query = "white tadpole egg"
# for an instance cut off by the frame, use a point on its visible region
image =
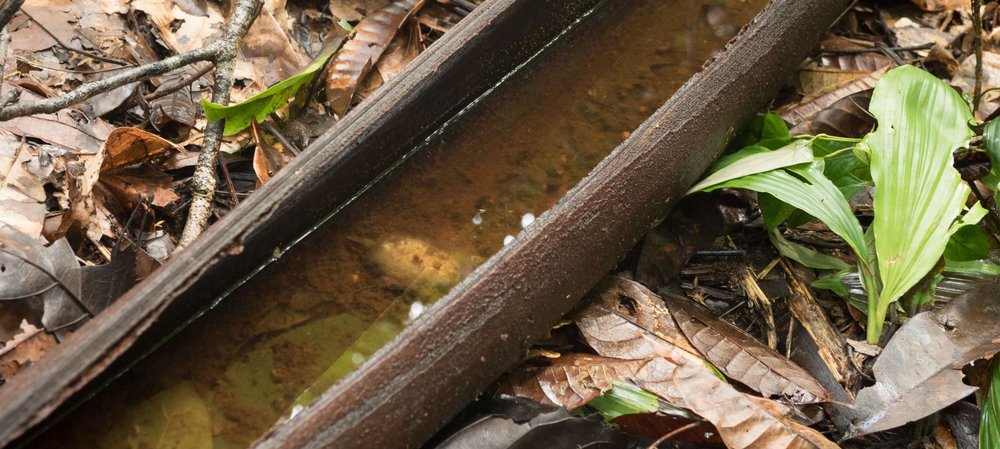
(477, 219)
(416, 309)
(507, 240)
(357, 358)
(526, 219)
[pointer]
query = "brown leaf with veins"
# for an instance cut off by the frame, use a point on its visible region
(371, 37)
(840, 112)
(628, 321)
(572, 380)
(743, 357)
(128, 146)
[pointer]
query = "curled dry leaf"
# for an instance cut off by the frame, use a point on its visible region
(913, 384)
(350, 65)
(628, 321)
(572, 380)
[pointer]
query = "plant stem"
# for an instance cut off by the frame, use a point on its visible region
(977, 44)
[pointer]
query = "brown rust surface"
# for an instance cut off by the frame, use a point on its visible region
(467, 61)
(412, 387)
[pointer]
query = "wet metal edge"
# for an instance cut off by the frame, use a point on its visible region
(467, 61)
(412, 387)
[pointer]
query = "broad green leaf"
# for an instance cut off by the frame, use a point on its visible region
(625, 398)
(921, 121)
(807, 189)
(238, 116)
(805, 255)
(753, 160)
(768, 130)
(989, 423)
(991, 140)
(967, 243)
(834, 282)
(974, 267)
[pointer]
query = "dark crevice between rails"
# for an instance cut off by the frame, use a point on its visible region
(466, 62)
(443, 361)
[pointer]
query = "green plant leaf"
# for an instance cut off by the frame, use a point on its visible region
(974, 267)
(805, 255)
(921, 121)
(806, 188)
(968, 243)
(754, 159)
(625, 398)
(768, 130)
(834, 282)
(238, 116)
(991, 140)
(989, 422)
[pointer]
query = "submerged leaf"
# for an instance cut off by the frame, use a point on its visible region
(921, 122)
(920, 370)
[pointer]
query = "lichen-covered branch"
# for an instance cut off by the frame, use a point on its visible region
(203, 181)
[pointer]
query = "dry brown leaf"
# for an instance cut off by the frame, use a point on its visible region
(135, 185)
(840, 112)
(628, 321)
(743, 357)
(27, 347)
(129, 146)
(911, 384)
(22, 193)
(965, 79)
(572, 380)
(350, 65)
(942, 5)
(355, 10)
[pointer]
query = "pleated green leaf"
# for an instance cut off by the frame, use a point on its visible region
(755, 159)
(918, 195)
(989, 423)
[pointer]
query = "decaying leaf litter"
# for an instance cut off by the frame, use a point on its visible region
(826, 268)
(96, 194)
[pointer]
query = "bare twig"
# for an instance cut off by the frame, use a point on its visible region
(180, 84)
(204, 180)
(977, 43)
(127, 76)
(4, 43)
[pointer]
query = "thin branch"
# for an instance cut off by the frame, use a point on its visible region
(204, 179)
(180, 84)
(977, 43)
(4, 43)
(127, 76)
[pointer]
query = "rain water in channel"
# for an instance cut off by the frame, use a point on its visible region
(348, 288)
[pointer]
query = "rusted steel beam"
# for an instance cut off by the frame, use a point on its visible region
(409, 389)
(489, 43)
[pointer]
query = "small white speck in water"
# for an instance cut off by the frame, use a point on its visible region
(478, 218)
(295, 410)
(526, 219)
(507, 240)
(416, 309)
(357, 358)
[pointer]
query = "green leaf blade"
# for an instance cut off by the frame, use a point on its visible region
(921, 121)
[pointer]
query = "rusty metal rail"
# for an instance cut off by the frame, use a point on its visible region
(409, 389)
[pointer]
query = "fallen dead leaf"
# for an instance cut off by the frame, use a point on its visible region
(965, 79)
(941, 5)
(350, 65)
(840, 112)
(129, 146)
(22, 193)
(628, 321)
(27, 347)
(912, 384)
(355, 10)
